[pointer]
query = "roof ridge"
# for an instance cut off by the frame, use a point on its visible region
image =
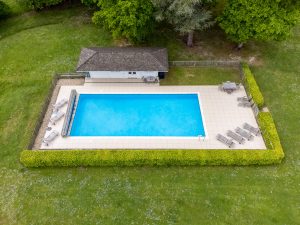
(118, 59)
(153, 56)
(95, 52)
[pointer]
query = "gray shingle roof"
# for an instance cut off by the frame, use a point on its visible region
(123, 59)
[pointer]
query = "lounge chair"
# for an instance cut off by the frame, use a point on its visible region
(50, 137)
(255, 109)
(59, 104)
(56, 117)
(246, 103)
(244, 99)
(252, 129)
(235, 137)
(244, 133)
(225, 140)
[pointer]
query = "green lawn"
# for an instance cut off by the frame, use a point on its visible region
(200, 76)
(31, 54)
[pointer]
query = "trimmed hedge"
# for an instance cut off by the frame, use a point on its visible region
(252, 86)
(74, 158)
(270, 134)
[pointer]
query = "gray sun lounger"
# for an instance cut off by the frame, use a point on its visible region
(255, 109)
(59, 104)
(235, 137)
(56, 117)
(244, 99)
(246, 104)
(252, 129)
(225, 140)
(244, 133)
(50, 137)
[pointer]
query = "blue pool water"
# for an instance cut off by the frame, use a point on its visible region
(138, 115)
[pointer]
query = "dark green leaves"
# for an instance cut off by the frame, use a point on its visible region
(243, 20)
(131, 19)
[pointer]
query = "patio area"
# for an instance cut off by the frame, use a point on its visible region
(220, 112)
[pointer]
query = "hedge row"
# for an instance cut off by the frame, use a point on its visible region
(252, 86)
(270, 134)
(74, 158)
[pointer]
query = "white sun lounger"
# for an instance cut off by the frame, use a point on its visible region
(235, 137)
(50, 137)
(252, 129)
(244, 133)
(59, 104)
(56, 117)
(225, 140)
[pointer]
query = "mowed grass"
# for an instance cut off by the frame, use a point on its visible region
(141, 195)
(200, 76)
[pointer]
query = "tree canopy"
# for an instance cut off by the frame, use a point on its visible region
(243, 20)
(185, 16)
(131, 19)
(4, 10)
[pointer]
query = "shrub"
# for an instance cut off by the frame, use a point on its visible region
(73, 158)
(40, 4)
(4, 10)
(252, 86)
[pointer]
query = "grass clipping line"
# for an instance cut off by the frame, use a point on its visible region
(74, 158)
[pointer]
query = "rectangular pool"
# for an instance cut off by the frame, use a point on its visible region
(173, 115)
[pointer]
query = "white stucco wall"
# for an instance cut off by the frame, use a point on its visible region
(122, 74)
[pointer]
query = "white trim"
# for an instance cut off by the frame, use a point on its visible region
(203, 119)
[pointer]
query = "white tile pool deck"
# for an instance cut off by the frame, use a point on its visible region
(220, 112)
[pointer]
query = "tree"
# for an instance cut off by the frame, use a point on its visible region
(39, 4)
(4, 10)
(243, 20)
(186, 16)
(132, 19)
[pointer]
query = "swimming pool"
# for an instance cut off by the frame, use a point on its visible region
(173, 115)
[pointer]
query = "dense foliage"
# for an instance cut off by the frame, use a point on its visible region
(243, 20)
(185, 16)
(131, 19)
(90, 3)
(252, 87)
(40, 4)
(4, 10)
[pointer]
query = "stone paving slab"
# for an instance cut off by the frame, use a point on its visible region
(220, 112)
